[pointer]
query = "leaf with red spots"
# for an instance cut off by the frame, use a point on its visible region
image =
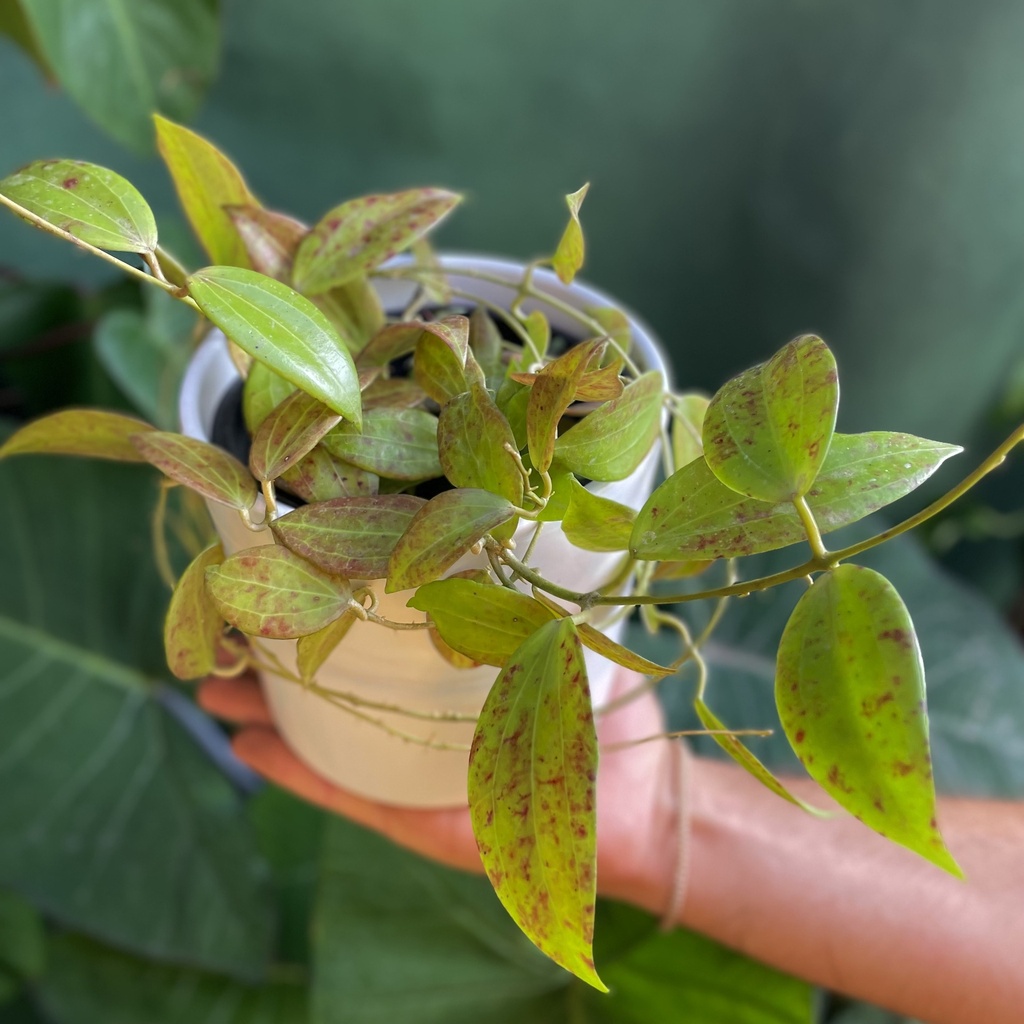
(202, 467)
(270, 238)
(569, 255)
(615, 438)
(439, 365)
(283, 330)
(319, 476)
(552, 392)
(400, 444)
(767, 431)
(268, 591)
(472, 435)
(290, 432)
(483, 621)
(850, 691)
(89, 432)
(193, 627)
(351, 537)
(485, 341)
(595, 523)
(87, 201)
(357, 236)
(694, 515)
(441, 533)
(532, 782)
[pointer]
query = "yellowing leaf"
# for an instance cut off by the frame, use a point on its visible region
(206, 182)
(193, 627)
(270, 238)
(288, 434)
(569, 255)
(89, 432)
(313, 649)
(87, 201)
(595, 523)
(532, 800)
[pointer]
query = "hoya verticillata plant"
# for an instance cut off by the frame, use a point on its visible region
(352, 410)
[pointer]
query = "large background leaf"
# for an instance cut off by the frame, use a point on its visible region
(111, 818)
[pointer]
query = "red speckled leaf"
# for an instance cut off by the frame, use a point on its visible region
(767, 431)
(319, 476)
(568, 256)
(471, 436)
(88, 432)
(694, 515)
(440, 361)
(291, 431)
(396, 392)
(270, 238)
(485, 342)
(441, 532)
(400, 444)
(532, 776)
(267, 591)
(552, 392)
(351, 537)
(483, 621)
(359, 235)
(850, 690)
(193, 627)
(206, 469)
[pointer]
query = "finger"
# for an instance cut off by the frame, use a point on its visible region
(237, 700)
(444, 835)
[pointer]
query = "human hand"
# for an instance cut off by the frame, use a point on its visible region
(635, 795)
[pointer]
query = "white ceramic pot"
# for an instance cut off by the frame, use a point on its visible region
(403, 669)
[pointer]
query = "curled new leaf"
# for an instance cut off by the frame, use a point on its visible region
(850, 691)
(361, 234)
(768, 430)
(483, 621)
(89, 432)
(351, 537)
(269, 592)
(568, 256)
(283, 330)
(193, 627)
(202, 467)
(441, 532)
(532, 772)
(87, 201)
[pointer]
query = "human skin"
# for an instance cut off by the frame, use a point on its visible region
(826, 900)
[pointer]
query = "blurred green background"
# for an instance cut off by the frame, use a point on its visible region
(759, 169)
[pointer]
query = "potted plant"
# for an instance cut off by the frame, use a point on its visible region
(468, 447)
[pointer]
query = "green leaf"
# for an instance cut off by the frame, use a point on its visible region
(270, 238)
(268, 591)
(568, 256)
(22, 937)
(89, 432)
(351, 537)
(282, 329)
(552, 392)
(206, 469)
(472, 434)
(207, 182)
(357, 236)
(441, 532)
(595, 523)
(693, 514)
(115, 822)
(262, 393)
(319, 476)
(121, 60)
(391, 342)
(87, 201)
(851, 697)
(616, 325)
(768, 430)
(313, 649)
(354, 309)
(397, 443)
(687, 427)
(288, 434)
(735, 748)
(193, 627)
(608, 648)
(88, 983)
(612, 441)
(393, 392)
(15, 26)
(532, 772)
(485, 343)
(539, 329)
(483, 621)
(440, 361)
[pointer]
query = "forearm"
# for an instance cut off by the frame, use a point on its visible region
(836, 904)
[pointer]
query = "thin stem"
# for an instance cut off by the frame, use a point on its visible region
(160, 552)
(498, 571)
(626, 744)
(396, 709)
(810, 525)
(259, 527)
(171, 262)
(535, 578)
(532, 544)
(270, 499)
(154, 266)
(380, 620)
